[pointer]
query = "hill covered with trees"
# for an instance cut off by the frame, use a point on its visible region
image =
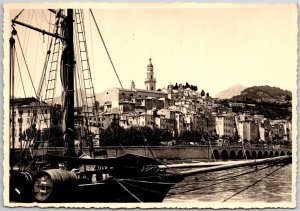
(263, 94)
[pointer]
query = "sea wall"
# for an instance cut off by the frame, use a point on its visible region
(179, 152)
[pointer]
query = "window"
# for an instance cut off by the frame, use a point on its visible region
(46, 111)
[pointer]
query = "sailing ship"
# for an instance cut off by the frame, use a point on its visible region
(75, 176)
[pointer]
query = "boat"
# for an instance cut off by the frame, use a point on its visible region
(77, 177)
(74, 177)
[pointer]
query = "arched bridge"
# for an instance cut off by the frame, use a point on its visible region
(238, 152)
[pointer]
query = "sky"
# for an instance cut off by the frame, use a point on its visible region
(211, 46)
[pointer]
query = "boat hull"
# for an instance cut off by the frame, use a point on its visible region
(147, 189)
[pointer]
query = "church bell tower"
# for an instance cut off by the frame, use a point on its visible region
(150, 81)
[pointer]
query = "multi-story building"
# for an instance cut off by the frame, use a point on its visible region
(148, 97)
(225, 125)
(248, 130)
(281, 129)
(30, 113)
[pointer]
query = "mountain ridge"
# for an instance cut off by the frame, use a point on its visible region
(231, 91)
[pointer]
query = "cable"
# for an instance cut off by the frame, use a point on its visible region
(20, 72)
(17, 16)
(26, 65)
(247, 187)
(222, 181)
(106, 49)
(134, 196)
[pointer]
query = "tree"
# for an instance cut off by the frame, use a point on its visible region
(30, 133)
(56, 114)
(53, 136)
(288, 97)
(202, 93)
(176, 86)
(187, 85)
(112, 136)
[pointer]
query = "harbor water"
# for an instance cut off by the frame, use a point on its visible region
(247, 184)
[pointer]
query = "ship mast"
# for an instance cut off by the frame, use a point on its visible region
(69, 73)
(67, 65)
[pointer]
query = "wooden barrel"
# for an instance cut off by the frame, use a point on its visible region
(21, 186)
(54, 185)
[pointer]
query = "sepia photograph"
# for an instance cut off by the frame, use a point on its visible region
(150, 105)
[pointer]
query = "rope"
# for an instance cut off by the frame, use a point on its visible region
(17, 16)
(20, 71)
(43, 76)
(26, 65)
(134, 196)
(251, 185)
(106, 49)
(147, 189)
(212, 152)
(92, 46)
(222, 181)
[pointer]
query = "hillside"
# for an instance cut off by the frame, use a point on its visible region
(232, 91)
(263, 94)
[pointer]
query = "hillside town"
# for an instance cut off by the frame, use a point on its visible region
(181, 110)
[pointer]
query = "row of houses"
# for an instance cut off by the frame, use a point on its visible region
(175, 110)
(255, 127)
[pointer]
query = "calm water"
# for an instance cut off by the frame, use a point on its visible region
(238, 185)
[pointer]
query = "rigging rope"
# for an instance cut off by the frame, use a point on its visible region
(134, 196)
(26, 65)
(20, 72)
(140, 187)
(106, 48)
(217, 183)
(92, 46)
(17, 16)
(251, 185)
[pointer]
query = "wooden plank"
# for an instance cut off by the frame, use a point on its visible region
(236, 165)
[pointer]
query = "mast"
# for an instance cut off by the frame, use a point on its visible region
(11, 74)
(69, 73)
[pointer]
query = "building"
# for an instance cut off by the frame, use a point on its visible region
(123, 100)
(225, 125)
(29, 113)
(150, 81)
(248, 130)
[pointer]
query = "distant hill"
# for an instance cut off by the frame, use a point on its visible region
(232, 91)
(263, 94)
